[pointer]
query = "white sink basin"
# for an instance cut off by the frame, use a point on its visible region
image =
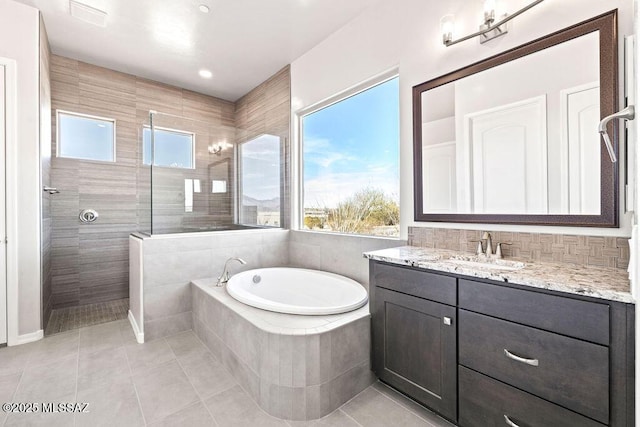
(490, 264)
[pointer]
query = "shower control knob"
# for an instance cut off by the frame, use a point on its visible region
(88, 215)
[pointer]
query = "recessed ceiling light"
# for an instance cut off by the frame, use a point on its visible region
(205, 74)
(204, 8)
(87, 13)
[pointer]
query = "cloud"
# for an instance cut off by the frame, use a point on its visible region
(329, 189)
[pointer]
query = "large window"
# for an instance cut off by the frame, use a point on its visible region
(350, 164)
(260, 181)
(172, 148)
(85, 137)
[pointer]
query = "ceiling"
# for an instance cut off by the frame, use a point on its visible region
(242, 42)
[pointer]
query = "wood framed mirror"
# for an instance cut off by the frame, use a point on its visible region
(513, 139)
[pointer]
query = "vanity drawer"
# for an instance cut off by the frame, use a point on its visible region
(579, 319)
(566, 371)
(485, 402)
(419, 283)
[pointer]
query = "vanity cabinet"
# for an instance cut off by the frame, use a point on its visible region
(484, 353)
(414, 340)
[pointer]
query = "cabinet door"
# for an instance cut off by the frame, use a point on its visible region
(414, 348)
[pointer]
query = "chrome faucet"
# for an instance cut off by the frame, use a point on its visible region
(225, 276)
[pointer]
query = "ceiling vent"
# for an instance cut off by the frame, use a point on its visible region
(88, 13)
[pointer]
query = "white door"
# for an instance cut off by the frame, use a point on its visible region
(3, 222)
(439, 178)
(581, 110)
(508, 150)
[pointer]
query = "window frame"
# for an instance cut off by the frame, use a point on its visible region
(85, 116)
(297, 191)
(179, 131)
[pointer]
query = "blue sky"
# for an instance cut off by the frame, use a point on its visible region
(352, 145)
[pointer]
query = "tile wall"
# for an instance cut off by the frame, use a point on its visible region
(170, 263)
(336, 253)
(581, 250)
(89, 262)
(267, 110)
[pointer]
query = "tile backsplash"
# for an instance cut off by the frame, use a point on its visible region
(580, 250)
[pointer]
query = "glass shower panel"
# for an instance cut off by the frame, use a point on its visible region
(192, 174)
(143, 184)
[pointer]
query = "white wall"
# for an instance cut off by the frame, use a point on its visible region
(406, 34)
(19, 33)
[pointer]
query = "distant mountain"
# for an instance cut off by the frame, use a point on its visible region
(269, 205)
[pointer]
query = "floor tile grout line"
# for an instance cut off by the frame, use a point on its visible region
(200, 399)
(14, 394)
(407, 409)
(234, 378)
(187, 377)
(135, 389)
(346, 414)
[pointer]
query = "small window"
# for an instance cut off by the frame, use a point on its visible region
(172, 148)
(86, 137)
(351, 171)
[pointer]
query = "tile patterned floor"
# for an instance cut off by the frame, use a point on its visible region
(66, 319)
(173, 381)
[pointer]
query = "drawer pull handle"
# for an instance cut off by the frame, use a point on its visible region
(532, 362)
(509, 422)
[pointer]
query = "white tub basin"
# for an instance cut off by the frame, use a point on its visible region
(297, 291)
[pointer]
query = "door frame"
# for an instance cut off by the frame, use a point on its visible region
(11, 193)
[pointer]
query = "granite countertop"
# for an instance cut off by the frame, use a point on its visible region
(597, 282)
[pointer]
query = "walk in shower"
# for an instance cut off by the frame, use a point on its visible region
(196, 176)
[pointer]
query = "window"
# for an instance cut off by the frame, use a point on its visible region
(86, 137)
(260, 182)
(172, 148)
(350, 152)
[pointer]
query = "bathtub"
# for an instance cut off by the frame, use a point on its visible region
(295, 367)
(297, 291)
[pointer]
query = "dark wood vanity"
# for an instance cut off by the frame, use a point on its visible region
(487, 353)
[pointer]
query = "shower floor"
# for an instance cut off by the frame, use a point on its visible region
(66, 319)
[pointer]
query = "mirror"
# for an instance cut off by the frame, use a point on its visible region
(513, 139)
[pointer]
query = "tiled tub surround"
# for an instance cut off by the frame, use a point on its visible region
(165, 265)
(598, 282)
(162, 267)
(294, 367)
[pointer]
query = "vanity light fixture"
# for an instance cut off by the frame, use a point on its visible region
(218, 147)
(215, 149)
(490, 28)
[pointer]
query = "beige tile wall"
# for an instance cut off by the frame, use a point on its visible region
(580, 250)
(267, 110)
(90, 261)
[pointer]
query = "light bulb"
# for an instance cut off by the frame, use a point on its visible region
(489, 11)
(446, 28)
